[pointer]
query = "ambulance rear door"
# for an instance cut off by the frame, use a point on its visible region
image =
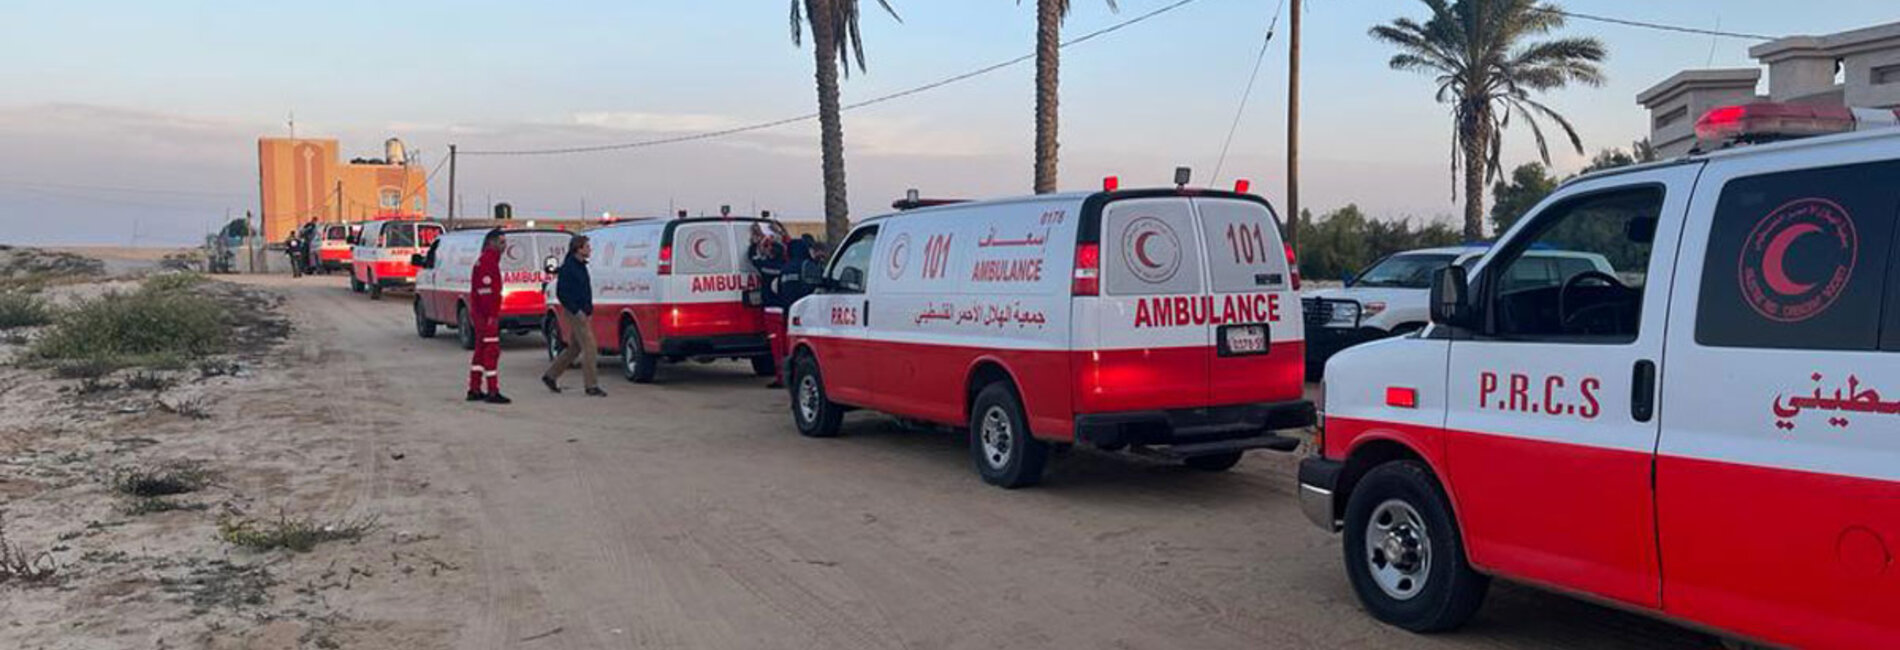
(1254, 313)
(1145, 350)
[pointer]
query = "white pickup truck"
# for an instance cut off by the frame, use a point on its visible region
(1390, 297)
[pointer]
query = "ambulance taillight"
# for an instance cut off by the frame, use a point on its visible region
(666, 260)
(1088, 270)
(1293, 267)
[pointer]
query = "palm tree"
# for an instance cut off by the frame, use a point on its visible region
(1049, 17)
(1488, 73)
(835, 40)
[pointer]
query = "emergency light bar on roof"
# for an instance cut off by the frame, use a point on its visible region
(1771, 121)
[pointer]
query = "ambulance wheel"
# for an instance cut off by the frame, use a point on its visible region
(1220, 462)
(464, 328)
(425, 328)
(1005, 454)
(635, 363)
(814, 413)
(763, 366)
(551, 332)
(356, 286)
(375, 288)
(1404, 556)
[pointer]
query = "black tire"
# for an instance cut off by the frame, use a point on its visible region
(1220, 462)
(638, 366)
(812, 409)
(1001, 447)
(375, 288)
(1438, 591)
(356, 286)
(763, 366)
(551, 334)
(464, 328)
(425, 328)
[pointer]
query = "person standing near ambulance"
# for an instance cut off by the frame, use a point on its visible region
(574, 288)
(769, 255)
(485, 316)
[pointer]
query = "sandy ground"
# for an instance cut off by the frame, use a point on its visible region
(687, 514)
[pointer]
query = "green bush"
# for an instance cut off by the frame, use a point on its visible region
(171, 282)
(146, 327)
(22, 310)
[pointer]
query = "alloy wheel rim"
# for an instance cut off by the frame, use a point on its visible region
(995, 434)
(1398, 549)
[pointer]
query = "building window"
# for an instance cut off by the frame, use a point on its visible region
(1672, 117)
(390, 199)
(1886, 74)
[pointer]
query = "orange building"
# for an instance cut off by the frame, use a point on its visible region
(305, 178)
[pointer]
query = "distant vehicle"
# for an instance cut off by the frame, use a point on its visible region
(1707, 436)
(1390, 297)
(331, 247)
(443, 280)
(383, 252)
(672, 290)
(1163, 320)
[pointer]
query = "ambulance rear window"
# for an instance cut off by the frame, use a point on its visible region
(1799, 260)
(1149, 248)
(700, 248)
(1244, 252)
(336, 232)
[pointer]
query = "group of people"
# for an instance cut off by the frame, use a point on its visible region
(297, 246)
(780, 260)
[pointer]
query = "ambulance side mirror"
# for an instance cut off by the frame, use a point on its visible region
(811, 274)
(419, 260)
(1451, 293)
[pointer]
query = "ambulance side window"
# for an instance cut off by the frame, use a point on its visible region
(1799, 260)
(1532, 297)
(853, 264)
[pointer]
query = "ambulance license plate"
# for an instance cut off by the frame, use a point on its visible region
(1236, 340)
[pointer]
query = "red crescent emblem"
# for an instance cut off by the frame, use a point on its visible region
(1141, 250)
(1777, 254)
(699, 250)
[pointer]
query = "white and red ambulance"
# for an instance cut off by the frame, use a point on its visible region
(673, 290)
(1145, 318)
(332, 247)
(444, 278)
(382, 255)
(1710, 433)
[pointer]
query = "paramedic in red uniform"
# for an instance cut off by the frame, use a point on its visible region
(768, 255)
(485, 312)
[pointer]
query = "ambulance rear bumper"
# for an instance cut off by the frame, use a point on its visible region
(729, 345)
(1203, 430)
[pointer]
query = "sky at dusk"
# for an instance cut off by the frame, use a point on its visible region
(136, 122)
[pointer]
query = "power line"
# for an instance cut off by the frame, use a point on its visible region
(1245, 94)
(852, 106)
(1657, 26)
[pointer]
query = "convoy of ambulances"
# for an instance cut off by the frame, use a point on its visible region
(673, 290)
(1711, 433)
(383, 252)
(444, 278)
(1115, 319)
(332, 247)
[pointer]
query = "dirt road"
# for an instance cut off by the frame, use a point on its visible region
(689, 514)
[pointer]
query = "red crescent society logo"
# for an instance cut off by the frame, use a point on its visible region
(1151, 250)
(1788, 284)
(703, 247)
(512, 252)
(900, 257)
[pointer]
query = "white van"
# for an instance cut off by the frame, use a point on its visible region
(381, 254)
(1389, 298)
(1711, 435)
(673, 290)
(444, 278)
(1113, 319)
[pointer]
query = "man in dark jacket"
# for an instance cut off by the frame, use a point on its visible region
(574, 287)
(485, 312)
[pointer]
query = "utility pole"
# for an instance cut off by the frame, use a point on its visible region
(1293, 133)
(339, 201)
(451, 187)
